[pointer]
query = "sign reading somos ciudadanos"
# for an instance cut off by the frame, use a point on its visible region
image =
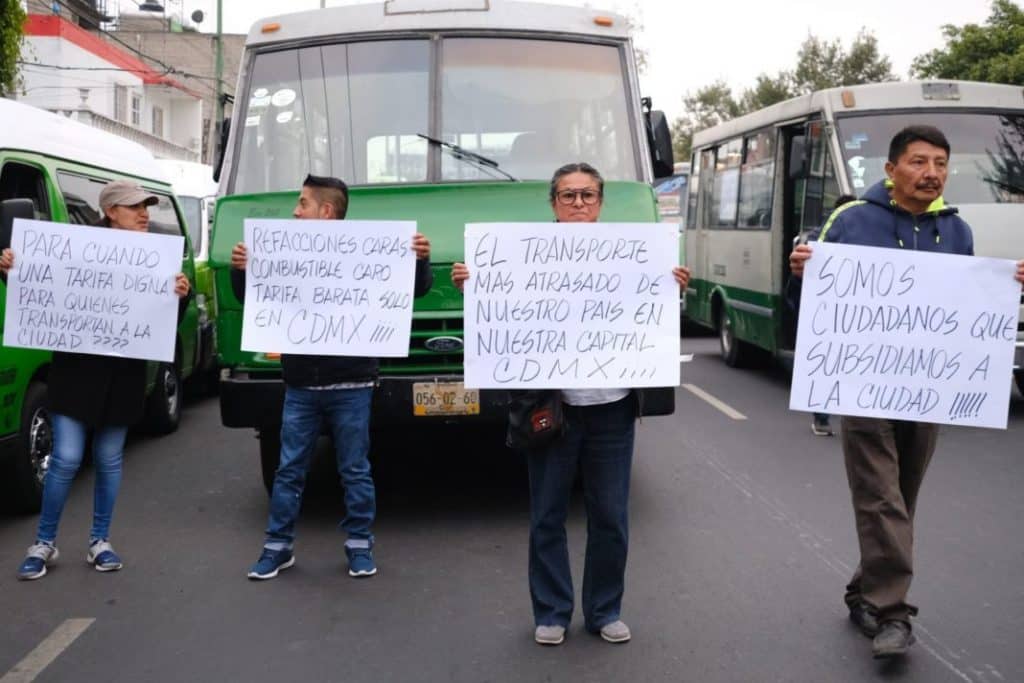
(571, 305)
(91, 290)
(329, 287)
(906, 335)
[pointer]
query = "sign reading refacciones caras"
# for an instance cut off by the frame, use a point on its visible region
(906, 335)
(329, 287)
(92, 290)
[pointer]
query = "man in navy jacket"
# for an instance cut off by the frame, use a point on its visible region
(886, 459)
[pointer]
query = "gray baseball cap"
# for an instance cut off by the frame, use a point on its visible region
(125, 193)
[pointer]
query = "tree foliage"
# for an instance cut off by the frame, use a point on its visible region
(992, 52)
(12, 25)
(820, 64)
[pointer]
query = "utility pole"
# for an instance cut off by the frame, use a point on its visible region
(219, 76)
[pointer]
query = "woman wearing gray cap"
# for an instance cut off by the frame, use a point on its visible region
(101, 394)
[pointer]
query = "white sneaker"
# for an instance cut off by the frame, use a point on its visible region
(616, 632)
(549, 635)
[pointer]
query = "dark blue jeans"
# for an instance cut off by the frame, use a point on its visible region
(347, 412)
(599, 441)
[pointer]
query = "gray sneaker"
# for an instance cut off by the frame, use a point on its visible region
(616, 632)
(38, 557)
(549, 635)
(893, 640)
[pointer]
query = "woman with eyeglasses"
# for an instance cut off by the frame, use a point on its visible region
(598, 440)
(101, 395)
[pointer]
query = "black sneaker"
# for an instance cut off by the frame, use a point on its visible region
(864, 618)
(893, 640)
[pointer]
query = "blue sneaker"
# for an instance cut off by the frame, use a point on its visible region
(102, 556)
(360, 559)
(270, 563)
(37, 558)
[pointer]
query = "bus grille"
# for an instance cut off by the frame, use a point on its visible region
(422, 360)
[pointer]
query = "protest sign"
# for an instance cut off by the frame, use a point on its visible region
(906, 335)
(329, 287)
(571, 305)
(100, 291)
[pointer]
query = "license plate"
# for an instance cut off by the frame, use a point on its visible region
(444, 398)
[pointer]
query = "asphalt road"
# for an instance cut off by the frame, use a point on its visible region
(741, 541)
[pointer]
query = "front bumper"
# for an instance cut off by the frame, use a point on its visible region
(256, 400)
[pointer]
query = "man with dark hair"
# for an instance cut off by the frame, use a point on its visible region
(886, 459)
(333, 389)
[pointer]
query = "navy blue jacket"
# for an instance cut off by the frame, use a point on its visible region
(876, 221)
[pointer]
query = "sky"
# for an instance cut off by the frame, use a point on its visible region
(691, 44)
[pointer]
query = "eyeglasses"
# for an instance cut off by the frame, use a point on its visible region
(568, 197)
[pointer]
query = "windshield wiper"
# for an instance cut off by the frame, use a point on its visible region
(466, 155)
(1002, 184)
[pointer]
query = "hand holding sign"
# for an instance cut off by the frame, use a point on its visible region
(905, 335)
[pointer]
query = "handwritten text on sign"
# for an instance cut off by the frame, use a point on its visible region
(906, 335)
(330, 288)
(571, 305)
(91, 290)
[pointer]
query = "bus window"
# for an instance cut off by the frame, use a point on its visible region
(20, 181)
(692, 193)
(986, 163)
(531, 105)
(821, 187)
(757, 175)
(81, 197)
(350, 110)
(725, 195)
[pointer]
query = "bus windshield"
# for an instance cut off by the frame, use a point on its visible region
(986, 160)
(359, 111)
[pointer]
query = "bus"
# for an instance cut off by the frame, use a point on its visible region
(53, 168)
(196, 191)
(760, 181)
(445, 115)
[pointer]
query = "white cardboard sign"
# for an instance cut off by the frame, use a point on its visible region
(571, 305)
(906, 335)
(329, 287)
(92, 290)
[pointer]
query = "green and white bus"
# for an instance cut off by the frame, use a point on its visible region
(761, 180)
(445, 112)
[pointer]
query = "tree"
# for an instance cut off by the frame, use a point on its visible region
(820, 64)
(708, 107)
(12, 25)
(992, 52)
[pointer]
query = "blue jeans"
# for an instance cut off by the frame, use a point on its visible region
(599, 441)
(69, 437)
(347, 412)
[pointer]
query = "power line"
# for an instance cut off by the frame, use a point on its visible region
(168, 69)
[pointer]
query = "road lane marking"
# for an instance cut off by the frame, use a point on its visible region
(720, 405)
(43, 655)
(819, 547)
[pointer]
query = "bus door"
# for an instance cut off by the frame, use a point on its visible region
(809, 195)
(701, 187)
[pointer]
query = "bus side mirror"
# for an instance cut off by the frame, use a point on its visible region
(9, 210)
(225, 130)
(798, 161)
(659, 137)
